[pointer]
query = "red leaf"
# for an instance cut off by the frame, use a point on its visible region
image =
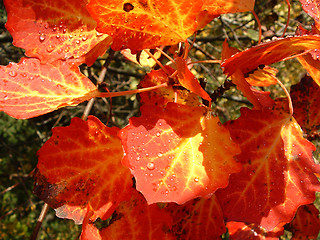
(312, 7)
(197, 219)
(145, 24)
(306, 223)
(51, 30)
(312, 66)
(162, 96)
(268, 53)
(188, 80)
(178, 153)
(306, 102)
(239, 230)
(29, 89)
(80, 170)
(134, 220)
(278, 170)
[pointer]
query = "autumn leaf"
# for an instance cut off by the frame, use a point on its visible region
(144, 24)
(197, 219)
(306, 223)
(29, 89)
(240, 230)
(268, 53)
(76, 170)
(312, 8)
(160, 97)
(263, 77)
(178, 153)
(219, 7)
(188, 80)
(278, 169)
(51, 30)
(135, 220)
(306, 102)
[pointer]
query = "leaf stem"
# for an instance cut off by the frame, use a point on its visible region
(157, 61)
(259, 24)
(43, 213)
(117, 94)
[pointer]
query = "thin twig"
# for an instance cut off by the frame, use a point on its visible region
(43, 213)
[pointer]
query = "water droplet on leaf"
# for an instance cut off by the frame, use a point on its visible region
(151, 166)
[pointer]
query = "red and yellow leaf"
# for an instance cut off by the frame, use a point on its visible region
(188, 80)
(306, 223)
(160, 97)
(312, 66)
(263, 77)
(145, 24)
(219, 7)
(135, 220)
(80, 170)
(51, 30)
(268, 53)
(178, 153)
(278, 170)
(306, 101)
(197, 219)
(312, 7)
(240, 230)
(29, 89)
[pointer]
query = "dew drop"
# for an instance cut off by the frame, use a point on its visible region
(12, 73)
(137, 159)
(42, 37)
(77, 42)
(50, 48)
(160, 155)
(150, 166)
(5, 97)
(158, 134)
(142, 27)
(99, 34)
(84, 38)
(196, 179)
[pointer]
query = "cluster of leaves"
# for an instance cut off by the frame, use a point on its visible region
(192, 174)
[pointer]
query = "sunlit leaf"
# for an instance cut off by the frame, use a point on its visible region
(51, 30)
(145, 24)
(219, 7)
(306, 223)
(312, 7)
(278, 169)
(268, 53)
(178, 153)
(262, 77)
(76, 170)
(29, 89)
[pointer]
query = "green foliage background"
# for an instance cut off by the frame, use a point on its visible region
(20, 139)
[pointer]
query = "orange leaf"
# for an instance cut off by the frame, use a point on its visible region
(51, 30)
(268, 53)
(306, 102)
(80, 170)
(29, 89)
(312, 66)
(144, 24)
(278, 170)
(240, 230)
(178, 153)
(162, 96)
(306, 223)
(197, 219)
(134, 220)
(238, 77)
(219, 7)
(188, 80)
(262, 77)
(312, 8)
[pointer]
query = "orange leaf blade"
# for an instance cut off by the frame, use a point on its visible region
(48, 33)
(29, 89)
(173, 153)
(139, 25)
(76, 170)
